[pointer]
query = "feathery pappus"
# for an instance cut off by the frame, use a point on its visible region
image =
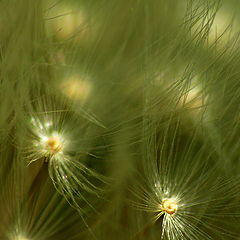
(63, 139)
(184, 187)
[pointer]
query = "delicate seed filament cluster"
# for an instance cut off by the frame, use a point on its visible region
(169, 206)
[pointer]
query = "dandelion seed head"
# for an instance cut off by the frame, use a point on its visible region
(169, 206)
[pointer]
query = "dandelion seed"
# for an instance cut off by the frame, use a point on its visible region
(55, 139)
(176, 196)
(183, 217)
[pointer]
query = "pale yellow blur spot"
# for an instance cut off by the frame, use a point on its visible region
(193, 98)
(20, 237)
(76, 88)
(222, 28)
(64, 21)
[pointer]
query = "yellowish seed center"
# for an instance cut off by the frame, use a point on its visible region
(169, 206)
(54, 144)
